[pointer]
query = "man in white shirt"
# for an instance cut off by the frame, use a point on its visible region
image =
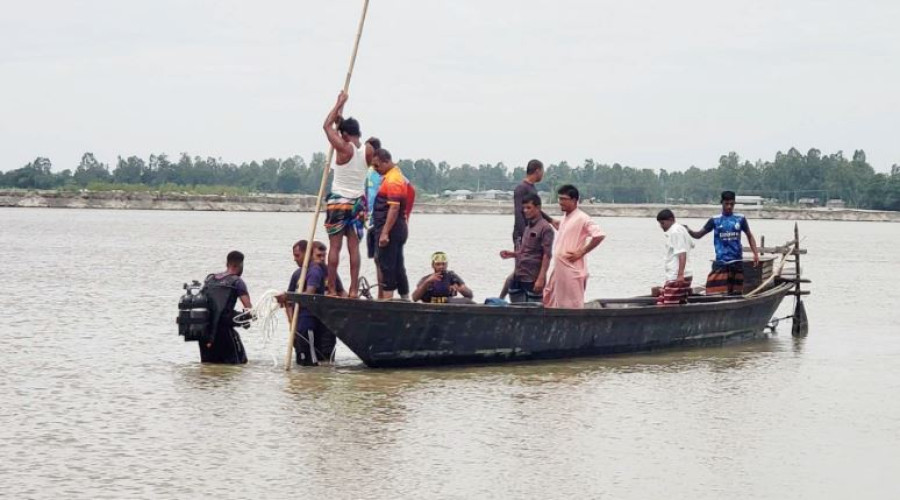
(678, 247)
(345, 211)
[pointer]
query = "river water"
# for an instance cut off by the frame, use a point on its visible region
(101, 398)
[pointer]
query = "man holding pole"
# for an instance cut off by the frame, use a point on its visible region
(345, 204)
(333, 136)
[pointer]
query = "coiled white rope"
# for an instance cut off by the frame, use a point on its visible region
(265, 312)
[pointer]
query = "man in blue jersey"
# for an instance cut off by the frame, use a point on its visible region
(727, 275)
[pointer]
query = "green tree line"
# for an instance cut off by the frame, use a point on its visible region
(788, 178)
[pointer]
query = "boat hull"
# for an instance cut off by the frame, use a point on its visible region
(403, 334)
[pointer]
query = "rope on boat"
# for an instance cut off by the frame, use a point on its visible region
(266, 312)
(365, 289)
(773, 323)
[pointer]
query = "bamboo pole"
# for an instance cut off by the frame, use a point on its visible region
(312, 230)
(797, 257)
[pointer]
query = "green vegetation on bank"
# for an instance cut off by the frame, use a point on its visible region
(789, 178)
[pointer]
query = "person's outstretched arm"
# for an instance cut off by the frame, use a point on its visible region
(702, 232)
(752, 240)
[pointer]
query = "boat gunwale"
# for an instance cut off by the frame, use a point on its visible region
(397, 306)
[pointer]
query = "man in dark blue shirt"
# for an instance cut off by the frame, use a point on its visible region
(727, 275)
(313, 342)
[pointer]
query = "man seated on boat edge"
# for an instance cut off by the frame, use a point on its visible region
(313, 343)
(442, 285)
(223, 344)
(727, 274)
(532, 254)
(577, 235)
(678, 275)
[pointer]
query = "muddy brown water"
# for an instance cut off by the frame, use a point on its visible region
(101, 398)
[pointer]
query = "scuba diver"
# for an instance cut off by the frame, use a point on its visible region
(222, 344)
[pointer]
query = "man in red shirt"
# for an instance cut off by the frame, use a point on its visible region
(393, 203)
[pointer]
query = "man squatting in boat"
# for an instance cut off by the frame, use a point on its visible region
(532, 253)
(576, 236)
(727, 275)
(313, 343)
(677, 285)
(441, 285)
(346, 205)
(223, 344)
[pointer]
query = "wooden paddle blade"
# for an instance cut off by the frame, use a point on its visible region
(800, 327)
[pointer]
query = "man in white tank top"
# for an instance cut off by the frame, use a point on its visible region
(345, 205)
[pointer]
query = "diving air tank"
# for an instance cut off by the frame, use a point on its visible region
(193, 313)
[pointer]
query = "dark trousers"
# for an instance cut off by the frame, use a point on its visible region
(226, 349)
(523, 291)
(371, 243)
(313, 343)
(390, 259)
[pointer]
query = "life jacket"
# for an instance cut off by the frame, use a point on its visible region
(221, 294)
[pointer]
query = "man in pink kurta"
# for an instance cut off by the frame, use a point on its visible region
(576, 235)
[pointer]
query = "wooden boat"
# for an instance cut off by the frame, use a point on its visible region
(404, 334)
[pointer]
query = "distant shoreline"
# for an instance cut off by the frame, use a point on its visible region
(119, 200)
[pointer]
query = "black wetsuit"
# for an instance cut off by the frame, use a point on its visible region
(223, 291)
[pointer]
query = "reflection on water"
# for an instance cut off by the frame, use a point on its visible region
(103, 400)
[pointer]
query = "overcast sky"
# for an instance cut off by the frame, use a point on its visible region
(648, 84)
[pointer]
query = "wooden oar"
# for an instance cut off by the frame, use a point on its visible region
(315, 221)
(788, 249)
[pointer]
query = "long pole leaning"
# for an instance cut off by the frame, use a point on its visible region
(315, 222)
